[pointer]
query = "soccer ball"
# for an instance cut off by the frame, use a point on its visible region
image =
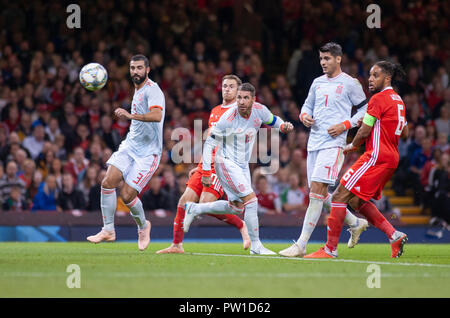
(93, 76)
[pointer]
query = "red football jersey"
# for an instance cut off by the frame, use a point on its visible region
(382, 143)
(214, 117)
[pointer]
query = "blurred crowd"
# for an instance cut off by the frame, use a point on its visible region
(55, 136)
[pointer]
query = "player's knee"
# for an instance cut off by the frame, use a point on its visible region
(107, 183)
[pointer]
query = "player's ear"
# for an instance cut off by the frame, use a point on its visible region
(338, 59)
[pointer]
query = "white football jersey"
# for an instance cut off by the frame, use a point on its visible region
(146, 138)
(237, 134)
(330, 102)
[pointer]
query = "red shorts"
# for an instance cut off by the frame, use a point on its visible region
(195, 183)
(365, 180)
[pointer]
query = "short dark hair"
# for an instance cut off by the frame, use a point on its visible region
(140, 57)
(333, 48)
(247, 87)
(232, 77)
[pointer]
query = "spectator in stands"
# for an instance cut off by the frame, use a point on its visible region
(110, 136)
(93, 202)
(89, 181)
(440, 207)
(35, 142)
(10, 180)
(156, 197)
(15, 201)
(417, 162)
(268, 202)
(28, 173)
(77, 165)
(295, 198)
(45, 199)
(70, 198)
(443, 122)
(402, 174)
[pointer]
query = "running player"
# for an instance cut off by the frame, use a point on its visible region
(235, 132)
(383, 125)
(195, 191)
(138, 155)
(327, 110)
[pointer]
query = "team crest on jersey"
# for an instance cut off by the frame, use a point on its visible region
(141, 97)
(257, 122)
(241, 187)
(339, 89)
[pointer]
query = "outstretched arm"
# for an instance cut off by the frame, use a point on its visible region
(154, 115)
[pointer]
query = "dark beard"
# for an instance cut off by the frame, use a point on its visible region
(137, 79)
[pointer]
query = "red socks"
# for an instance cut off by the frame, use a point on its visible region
(374, 216)
(230, 219)
(178, 234)
(335, 223)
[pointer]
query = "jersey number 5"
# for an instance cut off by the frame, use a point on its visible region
(401, 120)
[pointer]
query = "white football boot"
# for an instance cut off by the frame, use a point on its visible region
(355, 232)
(293, 251)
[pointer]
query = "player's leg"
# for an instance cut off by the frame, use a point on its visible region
(219, 206)
(322, 169)
(139, 174)
(232, 219)
(108, 204)
(250, 204)
(340, 198)
(189, 195)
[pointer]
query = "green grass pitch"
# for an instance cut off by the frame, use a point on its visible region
(210, 270)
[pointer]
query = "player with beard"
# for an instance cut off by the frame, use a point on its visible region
(195, 191)
(138, 155)
(383, 125)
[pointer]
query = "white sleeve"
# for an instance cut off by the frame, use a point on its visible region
(358, 99)
(270, 119)
(155, 98)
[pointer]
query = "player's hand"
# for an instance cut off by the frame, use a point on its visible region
(286, 127)
(122, 113)
(358, 124)
(308, 121)
(206, 181)
(349, 148)
(192, 171)
(336, 130)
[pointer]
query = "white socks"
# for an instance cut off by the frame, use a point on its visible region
(312, 216)
(216, 207)
(252, 221)
(137, 212)
(108, 204)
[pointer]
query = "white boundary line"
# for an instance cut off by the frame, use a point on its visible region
(324, 259)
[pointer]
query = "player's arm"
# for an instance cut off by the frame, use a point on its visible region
(362, 134)
(358, 99)
(405, 132)
(154, 115)
(308, 107)
(274, 121)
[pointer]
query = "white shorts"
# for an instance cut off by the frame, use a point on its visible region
(235, 180)
(136, 171)
(324, 165)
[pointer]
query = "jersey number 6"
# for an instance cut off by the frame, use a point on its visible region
(401, 120)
